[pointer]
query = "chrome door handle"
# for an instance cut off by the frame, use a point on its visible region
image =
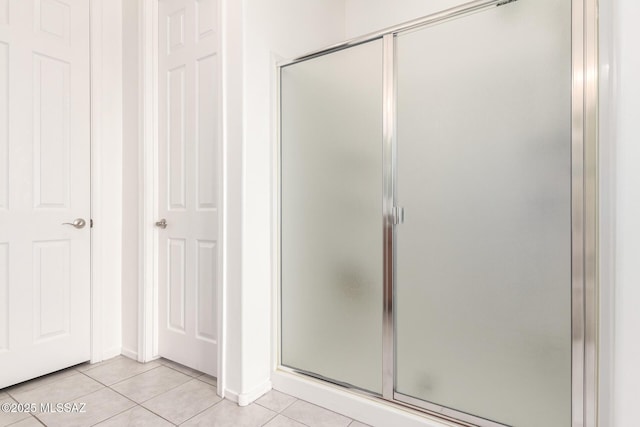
(162, 223)
(397, 215)
(77, 223)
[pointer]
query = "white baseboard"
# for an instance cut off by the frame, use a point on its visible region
(244, 399)
(368, 410)
(131, 354)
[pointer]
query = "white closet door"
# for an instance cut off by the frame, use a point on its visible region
(187, 179)
(44, 182)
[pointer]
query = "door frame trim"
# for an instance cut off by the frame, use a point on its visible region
(148, 190)
(98, 49)
(105, 53)
(95, 62)
(147, 289)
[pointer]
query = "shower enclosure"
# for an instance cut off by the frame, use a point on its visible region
(432, 214)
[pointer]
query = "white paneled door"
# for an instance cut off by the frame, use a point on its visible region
(188, 141)
(44, 182)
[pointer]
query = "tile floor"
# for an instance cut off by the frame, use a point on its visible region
(121, 392)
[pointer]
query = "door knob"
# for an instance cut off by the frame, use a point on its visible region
(77, 223)
(162, 223)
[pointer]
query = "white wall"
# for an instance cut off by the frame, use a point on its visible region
(230, 379)
(270, 30)
(626, 135)
(367, 16)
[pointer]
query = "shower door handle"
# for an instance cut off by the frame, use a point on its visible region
(397, 215)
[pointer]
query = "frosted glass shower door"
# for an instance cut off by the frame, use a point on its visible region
(331, 216)
(483, 280)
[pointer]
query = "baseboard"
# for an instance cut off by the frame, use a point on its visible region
(244, 399)
(369, 410)
(131, 354)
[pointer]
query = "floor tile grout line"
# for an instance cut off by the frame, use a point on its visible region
(289, 418)
(116, 414)
(293, 419)
(281, 410)
(351, 420)
(74, 398)
(7, 389)
(140, 404)
(126, 379)
(157, 395)
(11, 398)
(289, 405)
(123, 395)
(171, 362)
(197, 377)
(183, 373)
(171, 389)
(121, 380)
(275, 414)
(137, 405)
(155, 413)
(212, 385)
(206, 409)
(91, 378)
(33, 416)
(40, 422)
(326, 409)
(17, 421)
(97, 365)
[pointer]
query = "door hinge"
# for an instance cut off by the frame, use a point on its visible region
(91, 223)
(397, 215)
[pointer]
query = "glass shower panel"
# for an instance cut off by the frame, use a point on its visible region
(331, 216)
(483, 290)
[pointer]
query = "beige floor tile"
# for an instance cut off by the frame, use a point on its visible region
(86, 366)
(99, 406)
(151, 383)
(276, 401)
(229, 414)
(61, 391)
(8, 417)
(282, 421)
(315, 416)
(208, 379)
(358, 424)
(40, 381)
(3, 395)
(119, 370)
(28, 422)
(180, 368)
(183, 402)
(135, 417)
